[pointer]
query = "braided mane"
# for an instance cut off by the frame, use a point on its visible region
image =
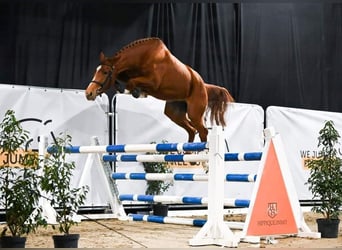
(135, 43)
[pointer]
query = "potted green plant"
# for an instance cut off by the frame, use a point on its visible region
(325, 181)
(19, 184)
(158, 187)
(56, 182)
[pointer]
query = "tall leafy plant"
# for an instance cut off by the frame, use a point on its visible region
(325, 181)
(157, 187)
(19, 185)
(58, 172)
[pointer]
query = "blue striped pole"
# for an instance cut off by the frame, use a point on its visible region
(251, 156)
(180, 221)
(180, 199)
(157, 158)
(180, 177)
(241, 177)
(254, 156)
(128, 148)
(153, 148)
(167, 220)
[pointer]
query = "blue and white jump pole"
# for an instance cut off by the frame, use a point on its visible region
(180, 177)
(181, 199)
(143, 148)
(180, 221)
(254, 156)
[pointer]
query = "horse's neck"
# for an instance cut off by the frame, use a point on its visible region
(137, 51)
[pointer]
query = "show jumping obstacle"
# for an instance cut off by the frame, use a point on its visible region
(270, 199)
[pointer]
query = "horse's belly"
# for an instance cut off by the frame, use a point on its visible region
(175, 85)
(169, 94)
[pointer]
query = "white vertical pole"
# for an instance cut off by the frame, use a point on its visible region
(48, 212)
(215, 231)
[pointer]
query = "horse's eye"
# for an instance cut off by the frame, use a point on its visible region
(105, 72)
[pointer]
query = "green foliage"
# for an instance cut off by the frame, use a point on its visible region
(19, 186)
(56, 182)
(325, 181)
(157, 187)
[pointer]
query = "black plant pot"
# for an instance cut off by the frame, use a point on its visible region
(160, 209)
(328, 227)
(12, 242)
(66, 241)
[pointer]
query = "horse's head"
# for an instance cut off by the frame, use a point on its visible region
(102, 79)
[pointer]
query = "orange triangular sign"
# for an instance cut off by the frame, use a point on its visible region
(272, 213)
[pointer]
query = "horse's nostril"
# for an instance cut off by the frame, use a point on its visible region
(89, 96)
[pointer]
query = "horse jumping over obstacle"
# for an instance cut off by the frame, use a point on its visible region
(146, 66)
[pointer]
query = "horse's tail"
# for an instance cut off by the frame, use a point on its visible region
(218, 98)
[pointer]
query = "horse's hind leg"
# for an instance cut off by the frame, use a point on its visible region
(196, 112)
(176, 111)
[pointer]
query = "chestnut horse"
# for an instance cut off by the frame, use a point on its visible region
(147, 67)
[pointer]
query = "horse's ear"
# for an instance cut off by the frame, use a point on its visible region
(102, 57)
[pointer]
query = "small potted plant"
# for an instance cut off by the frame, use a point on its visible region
(19, 184)
(325, 181)
(158, 187)
(56, 183)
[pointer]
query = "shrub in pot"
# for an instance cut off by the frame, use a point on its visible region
(325, 181)
(19, 184)
(158, 187)
(56, 182)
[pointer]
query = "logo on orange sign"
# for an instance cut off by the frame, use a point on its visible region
(272, 209)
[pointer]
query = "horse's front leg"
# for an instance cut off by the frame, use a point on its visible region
(137, 85)
(120, 86)
(136, 92)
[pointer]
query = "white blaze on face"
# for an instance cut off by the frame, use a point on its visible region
(97, 70)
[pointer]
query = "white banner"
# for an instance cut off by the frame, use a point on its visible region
(299, 130)
(43, 111)
(143, 121)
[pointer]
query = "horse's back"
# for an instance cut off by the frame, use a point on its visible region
(157, 71)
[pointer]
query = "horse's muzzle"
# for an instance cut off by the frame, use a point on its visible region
(90, 96)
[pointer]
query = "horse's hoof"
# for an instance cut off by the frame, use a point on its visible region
(206, 167)
(136, 92)
(120, 87)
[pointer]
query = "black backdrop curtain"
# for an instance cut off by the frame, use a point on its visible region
(286, 54)
(291, 55)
